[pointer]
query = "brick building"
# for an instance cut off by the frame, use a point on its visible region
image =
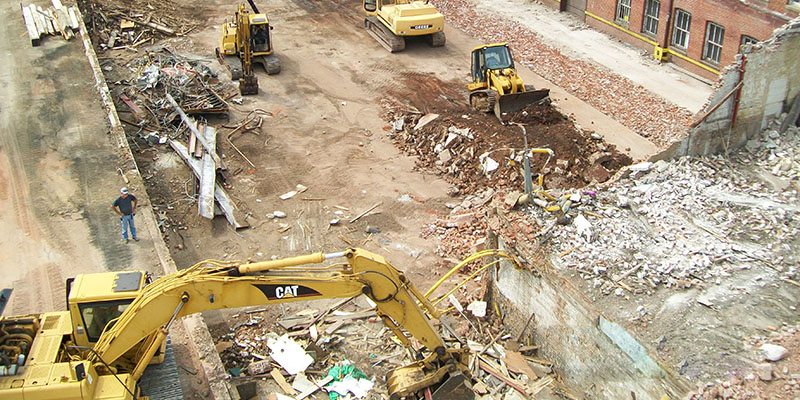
(700, 36)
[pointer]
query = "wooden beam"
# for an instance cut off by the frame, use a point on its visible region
(30, 25)
(224, 201)
(193, 127)
(208, 178)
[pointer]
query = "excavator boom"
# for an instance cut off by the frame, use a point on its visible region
(213, 285)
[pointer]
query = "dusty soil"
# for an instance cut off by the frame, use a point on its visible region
(577, 154)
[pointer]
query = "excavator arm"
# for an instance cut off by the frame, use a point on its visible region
(212, 285)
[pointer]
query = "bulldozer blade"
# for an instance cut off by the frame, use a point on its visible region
(509, 103)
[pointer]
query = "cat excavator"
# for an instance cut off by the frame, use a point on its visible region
(390, 22)
(116, 324)
(247, 39)
(496, 85)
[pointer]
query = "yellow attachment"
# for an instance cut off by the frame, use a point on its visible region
(467, 261)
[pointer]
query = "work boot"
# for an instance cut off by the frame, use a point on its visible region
(135, 239)
(125, 241)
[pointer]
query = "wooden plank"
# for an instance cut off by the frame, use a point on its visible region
(73, 19)
(48, 23)
(192, 143)
(38, 20)
(208, 178)
(287, 388)
(30, 25)
(198, 148)
(193, 128)
(508, 381)
(319, 385)
(223, 200)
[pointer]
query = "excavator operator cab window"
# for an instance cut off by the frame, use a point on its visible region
(477, 67)
(97, 315)
(260, 35)
(370, 5)
(498, 57)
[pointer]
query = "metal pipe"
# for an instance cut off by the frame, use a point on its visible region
(314, 258)
(738, 95)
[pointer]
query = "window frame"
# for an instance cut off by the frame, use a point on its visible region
(679, 30)
(651, 20)
(710, 47)
(621, 17)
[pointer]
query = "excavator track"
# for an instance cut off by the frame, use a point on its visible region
(438, 39)
(271, 63)
(161, 381)
(384, 36)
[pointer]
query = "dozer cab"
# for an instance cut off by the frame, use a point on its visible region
(247, 39)
(496, 86)
(391, 21)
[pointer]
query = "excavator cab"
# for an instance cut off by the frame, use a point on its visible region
(260, 35)
(496, 86)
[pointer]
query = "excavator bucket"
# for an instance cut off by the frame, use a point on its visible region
(248, 85)
(509, 103)
(445, 383)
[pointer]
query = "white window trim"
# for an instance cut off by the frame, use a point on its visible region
(651, 18)
(678, 28)
(620, 5)
(709, 43)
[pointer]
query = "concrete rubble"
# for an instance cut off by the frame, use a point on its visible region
(690, 221)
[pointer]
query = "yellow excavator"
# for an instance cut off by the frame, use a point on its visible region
(496, 86)
(116, 324)
(391, 21)
(247, 39)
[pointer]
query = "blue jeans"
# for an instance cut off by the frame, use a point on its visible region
(127, 220)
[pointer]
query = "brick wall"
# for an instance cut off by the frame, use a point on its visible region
(735, 17)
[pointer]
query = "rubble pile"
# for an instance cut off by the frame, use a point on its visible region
(769, 378)
(608, 92)
(474, 150)
(119, 24)
(463, 232)
(352, 351)
(149, 78)
(688, 222)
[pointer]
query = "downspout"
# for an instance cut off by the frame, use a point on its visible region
(668, 32)
(738, 95)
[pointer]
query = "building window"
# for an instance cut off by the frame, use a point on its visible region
(748, 40)
(712, 50)
(650, 24)
(623, 10)
(680, 34)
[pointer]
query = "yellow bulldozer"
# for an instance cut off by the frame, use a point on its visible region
(116, 324)
(496, 85)
(246, 40)
(391, 21)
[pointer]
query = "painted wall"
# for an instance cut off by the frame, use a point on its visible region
(590, 352)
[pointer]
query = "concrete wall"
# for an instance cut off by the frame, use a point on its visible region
(591, 353)
(770, 82)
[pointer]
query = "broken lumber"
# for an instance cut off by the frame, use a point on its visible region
(30, 25)
(200, 137)
(208, 178)
(356, 218)
(224, 201)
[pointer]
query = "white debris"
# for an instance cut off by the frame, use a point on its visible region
(477, 308)
(278, 214)
(773, 352)
(398, 124)
(405, 198)
(583, 227)
(641, 167)
(488, 164)
(425, 120)
(358, 387)
(288, 195)
(289, 354)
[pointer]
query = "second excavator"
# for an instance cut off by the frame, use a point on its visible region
(246, 40)
(116, 324)
(496, 85)
(390, 22)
